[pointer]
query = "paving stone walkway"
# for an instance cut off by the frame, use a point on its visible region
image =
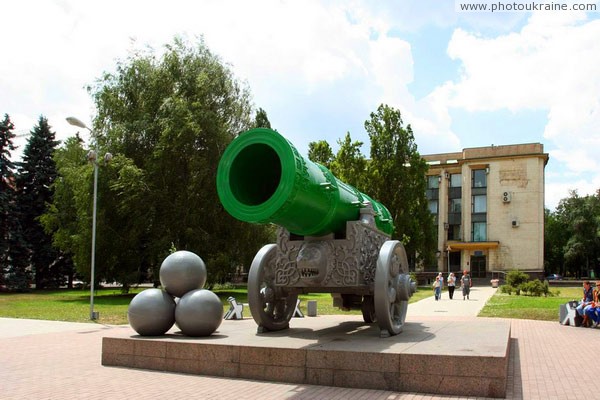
(54, 360)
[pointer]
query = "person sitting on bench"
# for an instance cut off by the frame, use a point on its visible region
(593, 310)
(588, 298)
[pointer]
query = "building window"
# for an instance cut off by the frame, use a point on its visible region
(454, 232)
(479, 178)
(479, 204)
(433, 182)
(433, 206)
(455, 180)
(479, 231)
(455, 206)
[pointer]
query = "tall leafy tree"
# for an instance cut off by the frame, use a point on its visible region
(36, 174)
(556, 235)
(68, 218)
(321, 153)
(396, 174)
(172, 117)
(581, 218)
(261, 120)
(350, 165)
(14, 264)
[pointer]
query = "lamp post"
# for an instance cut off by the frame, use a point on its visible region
(93, 158)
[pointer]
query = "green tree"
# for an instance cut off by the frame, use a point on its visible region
(396, 176)
(261, 120)
(36, 174)
(581, 217)
(7, 195)
(14, 272)
(555, 240)
(320, 152)
(68, 218)
(350, 165)
(172, 116)
(18, 275)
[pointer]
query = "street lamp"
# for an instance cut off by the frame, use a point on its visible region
(93, 158)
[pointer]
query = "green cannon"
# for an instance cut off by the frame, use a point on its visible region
(331, 237)
(263, 179)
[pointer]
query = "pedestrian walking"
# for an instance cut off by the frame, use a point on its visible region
(465, 282)
(451, 285)
(437, 290)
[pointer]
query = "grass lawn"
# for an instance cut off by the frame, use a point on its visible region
(528, 307)
(67, 305)
(74, 305)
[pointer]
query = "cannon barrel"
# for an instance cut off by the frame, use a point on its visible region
(262, 178)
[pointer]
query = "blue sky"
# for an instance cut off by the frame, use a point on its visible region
(319, 68)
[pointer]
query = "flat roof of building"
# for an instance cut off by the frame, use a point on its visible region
(488, 152)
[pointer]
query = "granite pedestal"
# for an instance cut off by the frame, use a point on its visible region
(465, 357)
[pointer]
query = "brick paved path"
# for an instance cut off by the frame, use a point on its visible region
(544, 364)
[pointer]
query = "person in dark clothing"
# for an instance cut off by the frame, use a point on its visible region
(588, 298)
(465, 282)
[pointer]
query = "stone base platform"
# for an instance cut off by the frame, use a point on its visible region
(465, 357)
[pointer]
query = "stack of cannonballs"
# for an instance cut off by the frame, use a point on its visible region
(196, 311)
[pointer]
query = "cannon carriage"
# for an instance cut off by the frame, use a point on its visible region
(331, 238)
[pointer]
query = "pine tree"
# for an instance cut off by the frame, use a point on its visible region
(13, 251)
(36, 174)
(6, 185)
(6, 190)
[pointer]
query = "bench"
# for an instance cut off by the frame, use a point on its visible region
(567, 315)
(236, 310)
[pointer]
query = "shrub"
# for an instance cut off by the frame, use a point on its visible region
(222, 286)
(506, 289)
(524, 287)
(535, 288)
(515, 278)
(517, 282)
(413, 277)
(547, 289)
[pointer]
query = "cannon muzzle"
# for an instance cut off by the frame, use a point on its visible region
(262, 178)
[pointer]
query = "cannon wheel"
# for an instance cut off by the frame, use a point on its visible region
(272, 307)
(389, 309)
(368, 309)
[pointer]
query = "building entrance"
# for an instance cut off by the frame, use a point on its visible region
(478, 266)
(455, 261)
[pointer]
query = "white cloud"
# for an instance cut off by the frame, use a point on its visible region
(551, 64)
(312, 55)
(391, 66)
(433, 122)
(286, 50)
(577, 160)
(556, 191)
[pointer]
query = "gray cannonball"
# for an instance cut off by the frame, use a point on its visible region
(199, 313)
(182, 272)
(151, 312)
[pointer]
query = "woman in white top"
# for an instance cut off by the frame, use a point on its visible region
(451, 284)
